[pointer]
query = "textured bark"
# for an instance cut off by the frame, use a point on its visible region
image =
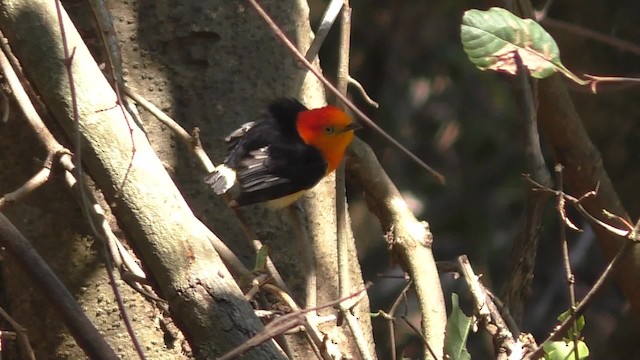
(584, 172)
(204, 299)
(215, 67)
(410, 240)
(209, 64)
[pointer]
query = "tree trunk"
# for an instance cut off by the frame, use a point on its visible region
(210, 64)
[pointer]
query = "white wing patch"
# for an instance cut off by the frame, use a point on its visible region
(257, 158)
(238, 133)
(221, 179)
(261, 153)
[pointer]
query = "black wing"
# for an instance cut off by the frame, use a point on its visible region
(278, 170)
(269, 157)
(275, 127)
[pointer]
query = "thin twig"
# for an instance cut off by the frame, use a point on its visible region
(392, 314)
(84, 204)
(421, 336)
(565, 258)
(37, 180)
(285, 322)
(74, 317)
(343, 239)
(313, 333)
(329, 17)
(577, 203)
(368, 122)
(596, 80)
(30, 113)
(563, 327)
(21, 334)
(619, 44)
(489, 315)
(363, 92)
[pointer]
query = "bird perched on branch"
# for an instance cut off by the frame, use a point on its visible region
(278, 157)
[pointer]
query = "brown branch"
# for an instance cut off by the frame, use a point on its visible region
(584, 32)
(363, 92)
(37, 180)
(20, 333)
(163, 228)
(310, 325)
(522, 259)
(344, 240)
(629, 233)
(565, 257)
(410, 239)
(83, 331)
(564, 326)
(560, 123)
(391, 318)
(289, 321)
(490, 317)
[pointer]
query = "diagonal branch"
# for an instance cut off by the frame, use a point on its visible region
(87, 336)
(411, 239)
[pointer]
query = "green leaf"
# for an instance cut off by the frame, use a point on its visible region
(560, 350)
(457, 331)
(260, 266)
(577, 328)
(492, 38)
(261, 259)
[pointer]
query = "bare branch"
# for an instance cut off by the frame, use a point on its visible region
(284, 323)
(363, 92)
(409, 238)
(561, 329)
(329, 17)
(160, 223)
(525, 245)
(489, 315)
(619, 44)
(21, 333)
(86, 335)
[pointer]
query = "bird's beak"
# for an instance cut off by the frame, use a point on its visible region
(353, 126)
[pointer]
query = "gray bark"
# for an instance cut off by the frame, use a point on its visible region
(210, 64)
(203, 297)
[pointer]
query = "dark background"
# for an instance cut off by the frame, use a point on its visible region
(464, 122)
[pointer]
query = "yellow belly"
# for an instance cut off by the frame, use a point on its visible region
(285, 201)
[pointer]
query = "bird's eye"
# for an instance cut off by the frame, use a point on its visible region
(329, 129)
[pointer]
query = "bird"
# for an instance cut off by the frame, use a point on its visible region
(284, 153)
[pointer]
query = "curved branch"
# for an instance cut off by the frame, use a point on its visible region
(411, 239)
(202, 294)
(583, 172)
(87, 336)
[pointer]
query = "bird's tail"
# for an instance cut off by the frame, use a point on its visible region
(221, 179)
